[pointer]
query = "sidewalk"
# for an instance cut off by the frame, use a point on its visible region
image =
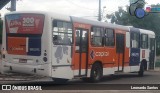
(157, 69)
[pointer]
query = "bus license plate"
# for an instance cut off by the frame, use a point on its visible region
(22, 60)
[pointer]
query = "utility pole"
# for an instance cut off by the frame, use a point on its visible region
(99, 14)
(13, 5)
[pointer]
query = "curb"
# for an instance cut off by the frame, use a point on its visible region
(157, 69)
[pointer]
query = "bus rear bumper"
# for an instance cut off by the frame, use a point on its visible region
(42, 70)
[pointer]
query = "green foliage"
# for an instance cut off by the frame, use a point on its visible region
(1, 26)
(149, 22)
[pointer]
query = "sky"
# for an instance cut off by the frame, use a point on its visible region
(80, 8)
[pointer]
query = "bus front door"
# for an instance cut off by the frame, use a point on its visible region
(81, 52)
(120, 50)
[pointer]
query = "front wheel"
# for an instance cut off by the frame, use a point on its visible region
(96, 73)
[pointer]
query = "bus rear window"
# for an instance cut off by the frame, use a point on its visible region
(24, 23)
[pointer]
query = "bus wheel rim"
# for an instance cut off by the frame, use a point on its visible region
(96, 76)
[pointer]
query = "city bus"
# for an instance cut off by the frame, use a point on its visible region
(66, 47)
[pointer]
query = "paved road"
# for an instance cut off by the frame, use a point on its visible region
(150, 77)
(82, 91)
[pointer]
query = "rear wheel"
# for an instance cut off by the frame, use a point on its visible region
(141, 71)
(96, 73)
(59, 81)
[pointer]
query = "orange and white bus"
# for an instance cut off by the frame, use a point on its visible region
(66, 47)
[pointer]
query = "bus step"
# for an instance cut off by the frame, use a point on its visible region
(81, 76)
(119, 72)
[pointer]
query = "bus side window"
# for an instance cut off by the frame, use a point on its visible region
(92, 35)
(85, 38)
(57, 39)
(109, 36)
(62, 32)
(66, 40)
(144, 41)
(77, 37)
(135, 40)
(77, 40)
(97, 36)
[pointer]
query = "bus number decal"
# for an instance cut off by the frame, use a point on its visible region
(28, 21)
(93, 54)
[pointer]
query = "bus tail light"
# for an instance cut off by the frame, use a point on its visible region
(45, 54)
(3, 53)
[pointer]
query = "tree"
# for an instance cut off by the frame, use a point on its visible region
(149, 22)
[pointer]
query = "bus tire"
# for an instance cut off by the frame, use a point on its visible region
(86, 79)
(96, 73)
(141, 70)
(59, 81)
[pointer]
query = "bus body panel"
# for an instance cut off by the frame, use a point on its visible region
(127, 68)
(61, 63)
(32, 59)
(135, 49)
(148, 52)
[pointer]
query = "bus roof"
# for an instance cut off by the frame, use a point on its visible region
(82, 20)
(97, 23)
(74, 19)
(48, 14)
(144, 31)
